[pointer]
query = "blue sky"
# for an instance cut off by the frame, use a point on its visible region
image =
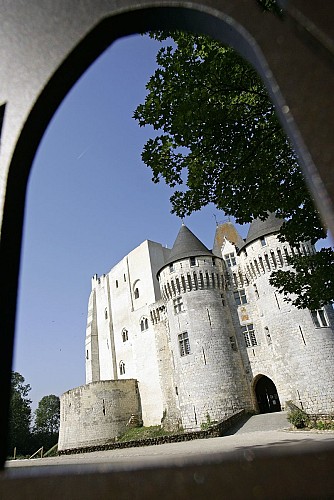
(90, 202)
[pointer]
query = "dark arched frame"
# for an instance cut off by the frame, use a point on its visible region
(84, 53)
(266, 395)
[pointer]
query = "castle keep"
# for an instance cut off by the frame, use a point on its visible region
(187, 335)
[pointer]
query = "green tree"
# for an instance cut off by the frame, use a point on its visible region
(47, 415)
(218, 137)
(19, 416)
(47, 418)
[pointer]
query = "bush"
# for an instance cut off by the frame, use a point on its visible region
(298, 418)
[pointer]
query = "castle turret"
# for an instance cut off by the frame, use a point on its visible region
(289, 349)
(209, 377)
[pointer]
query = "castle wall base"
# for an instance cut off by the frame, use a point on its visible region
(96, 413)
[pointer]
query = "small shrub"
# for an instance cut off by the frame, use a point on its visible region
(298, 418)
(209, 423)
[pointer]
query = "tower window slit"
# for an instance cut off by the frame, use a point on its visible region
(195, 281)
(213, 280)
(183, 281)
(266, 258)
(280, 257)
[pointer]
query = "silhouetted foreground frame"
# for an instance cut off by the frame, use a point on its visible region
(47, 45)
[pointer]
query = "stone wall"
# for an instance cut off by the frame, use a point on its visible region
(97, 413)
(220, 429)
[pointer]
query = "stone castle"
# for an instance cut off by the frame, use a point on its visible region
(188, 335)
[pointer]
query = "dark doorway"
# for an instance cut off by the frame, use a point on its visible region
(266, 395)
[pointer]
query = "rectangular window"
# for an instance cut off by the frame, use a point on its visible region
(184, 344)
(240, 297)
(178, 305)
(192, 261)
(171, 268)
(249, 335)
(263, 241)
(230, 259)
(320, 318)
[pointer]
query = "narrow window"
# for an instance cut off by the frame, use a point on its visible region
(263, 241)
(124, 277)
(286, 253)
(267, 334)
(233, 344)
(195, 281)
(256, 292)
(178, 305)
(213, 279)
(124, 335)
(171, 268)
(121, 368)
(261, 264)
(273, 258)
(136, 293)
(192, 261)
(257, 267)
(253, 270)
(223, 299)
(235, 280)
(116, 283)
(189, 282)
(213, 261)
(240, 297)
(266, 258)
(177, 281)
(280, 257)
(105, 313)
(146, 324)
(183, 284)
(184, 344)
(201, 280)
(249, 335)
(87, 354)
(173, 287)
(169, 290)
(207, 280)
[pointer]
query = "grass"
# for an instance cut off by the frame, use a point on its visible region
(138, 433)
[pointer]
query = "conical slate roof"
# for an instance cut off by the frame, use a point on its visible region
(186, 245)
(260, 228)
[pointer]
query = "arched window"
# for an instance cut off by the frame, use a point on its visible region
(121, 368)
(136, 293)
(106, 313)
(125, 335)
(143, 324)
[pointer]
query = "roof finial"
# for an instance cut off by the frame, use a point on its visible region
(182, 220)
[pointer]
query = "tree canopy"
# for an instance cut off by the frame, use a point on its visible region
(217, 138)
(19, 415)
(47, 415)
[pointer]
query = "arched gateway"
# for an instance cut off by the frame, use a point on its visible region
(266, 395)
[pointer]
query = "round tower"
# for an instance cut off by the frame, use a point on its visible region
(290, 349)
(209, 375)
